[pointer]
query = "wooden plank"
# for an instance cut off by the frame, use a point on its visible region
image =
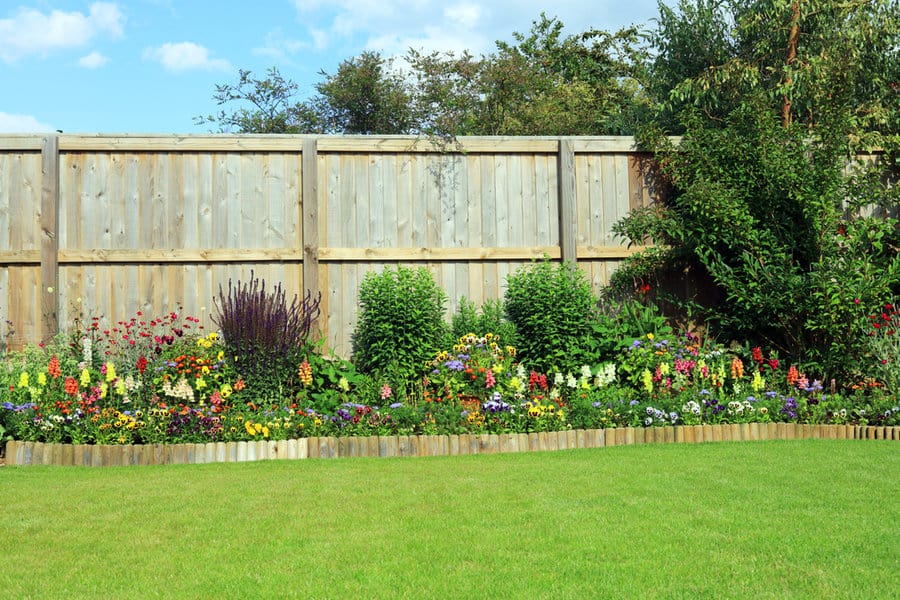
(179, 143)
(309, 204)
(435, 254)
(50, 238)
(567, 201)
(611, 144)
(461, 145)
(157, 255)
(21, 143)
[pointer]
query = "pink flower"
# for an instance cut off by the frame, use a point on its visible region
(489, 380)
(386, 392)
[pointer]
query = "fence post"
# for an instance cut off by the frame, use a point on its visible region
(49, 237)
(310, 220)
(568, 229)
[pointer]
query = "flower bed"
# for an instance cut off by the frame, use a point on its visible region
(31, 453)
(162, 381)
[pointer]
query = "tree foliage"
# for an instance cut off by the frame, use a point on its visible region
(544, 83)
(767, 200)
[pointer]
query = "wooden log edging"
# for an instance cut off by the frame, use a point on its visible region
(37, 453)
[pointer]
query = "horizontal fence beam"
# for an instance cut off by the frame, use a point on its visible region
(295, 255)
(294, 143)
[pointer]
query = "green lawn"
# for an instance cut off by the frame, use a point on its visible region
(779, 519)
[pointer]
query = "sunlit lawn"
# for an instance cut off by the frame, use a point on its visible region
(798, 519)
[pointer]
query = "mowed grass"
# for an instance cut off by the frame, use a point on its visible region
(776, 519)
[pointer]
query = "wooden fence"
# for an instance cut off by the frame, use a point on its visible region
(110, 225)
(36, 453)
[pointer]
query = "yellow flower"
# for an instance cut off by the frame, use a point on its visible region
(249, 427)
(85, 378)
(23, 379)
(120, 387)
(220, 356)
(226, 390)
(498, 368)
(758, 383)
(344, 384)
(647, 380)
(265, 432)
(200, 383)
(110, 372)
(42, 379)
(649, 336)
(104, 387)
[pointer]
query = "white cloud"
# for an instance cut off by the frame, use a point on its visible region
(31, 32)
(393, 26)
(10, 123)
(94, 60)
(186, 56)
(278, 47)
(465, 15)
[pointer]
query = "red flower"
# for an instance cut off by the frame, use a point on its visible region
(757, 354)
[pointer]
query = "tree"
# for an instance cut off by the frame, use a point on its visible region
(366, 95)
(543, 84)
(265, 106)
(767, 197)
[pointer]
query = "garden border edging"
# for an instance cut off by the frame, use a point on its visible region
(20, 453)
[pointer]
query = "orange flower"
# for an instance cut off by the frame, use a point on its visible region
(793, 375)
(71, 386)
(53, 367)
(737, 368)
(305, 373)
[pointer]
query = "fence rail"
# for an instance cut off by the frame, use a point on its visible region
(102, 225)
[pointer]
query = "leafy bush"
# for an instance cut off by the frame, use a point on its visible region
(401, 322)
(489, 319)
(264, 336)
(553, 310)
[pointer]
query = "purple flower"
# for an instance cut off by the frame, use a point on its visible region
(595, 404)
(7, 405)
(634, 402)
(396, 404)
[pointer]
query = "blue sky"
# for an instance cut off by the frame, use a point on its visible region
(151, 66)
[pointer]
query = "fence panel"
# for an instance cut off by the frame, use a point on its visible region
(151, 223)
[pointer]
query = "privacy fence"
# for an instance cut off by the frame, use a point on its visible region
(108, 226)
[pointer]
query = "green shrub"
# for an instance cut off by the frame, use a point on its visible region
(401, 322)
(264, 336)
(554, 313)
(489, 319)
